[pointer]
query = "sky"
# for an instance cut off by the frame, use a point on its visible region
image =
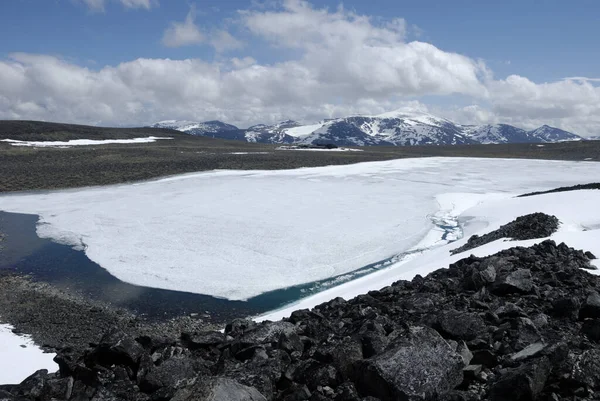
(135, 62)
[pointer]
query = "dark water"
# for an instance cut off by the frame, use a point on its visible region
(22, 251)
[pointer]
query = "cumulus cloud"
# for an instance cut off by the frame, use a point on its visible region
(223, 41)
(188, 33)
(183, 33)
(341, 63)
(99, 5)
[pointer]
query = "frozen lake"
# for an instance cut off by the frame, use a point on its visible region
(239, 234)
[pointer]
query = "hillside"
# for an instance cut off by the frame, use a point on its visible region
(50, 168)
(48, 131)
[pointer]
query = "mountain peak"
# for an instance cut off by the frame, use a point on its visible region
(401, 127)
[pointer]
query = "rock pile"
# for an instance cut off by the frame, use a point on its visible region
(523, 324)
(531, 226)
(579, 187)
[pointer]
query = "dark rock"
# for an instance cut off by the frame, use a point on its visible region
(460, 325)
(463, 350)
(290, 341)
(347, 392)
(523, 383)
(266, 333)
(33, 386)
(528, 352)
(591, 328)
(586, 368)
(174, 373)
(566, 307)
(535, 225)
(518, 281)
(418, 364)
(472, 371)
(218, 389)
(60, 389)
(239, 326)
(116, 348)
(490, 313)
(590, 255)
(205, 339)
(591, 306)
(484, 357)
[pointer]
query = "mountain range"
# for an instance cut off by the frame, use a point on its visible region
(394, 128)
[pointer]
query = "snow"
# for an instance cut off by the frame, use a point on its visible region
(19, 357)
(238, 234)
(414, 117)
(580, 229)
(248, 153)
(80, 142)
(285, 147)
(303, 130)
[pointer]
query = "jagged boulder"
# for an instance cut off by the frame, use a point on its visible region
(522, 384)
(420, 364)
(461, 325)
(218, 389)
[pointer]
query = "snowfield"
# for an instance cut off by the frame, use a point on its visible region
(238, 234)
(580, 228)
(80, 142)
(19, 357)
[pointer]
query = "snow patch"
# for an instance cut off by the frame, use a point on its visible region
(292, 147)
(20, 357)
(302, 130)
(80, 142)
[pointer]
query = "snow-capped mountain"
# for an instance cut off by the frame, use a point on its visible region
(500, 133)
(215, 129)
(262, 133)
(551, 134)
(394, 128)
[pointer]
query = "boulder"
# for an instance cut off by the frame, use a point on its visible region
(174, 373)
(518, 281)
(586, 368)
(566, 307)
(418, 365)
(591, 306)
(591, 328)
(460, 325)
(522, 384)
(204, 339)
(116, 348)
(218, 389)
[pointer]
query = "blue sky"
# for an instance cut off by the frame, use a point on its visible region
(542, 42)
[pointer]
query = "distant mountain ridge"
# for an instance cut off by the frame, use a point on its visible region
(395, 128)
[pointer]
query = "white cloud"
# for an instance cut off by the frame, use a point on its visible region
(342, 63)
(223, 41)
(188, 33)
(184, 33)
(99, 5)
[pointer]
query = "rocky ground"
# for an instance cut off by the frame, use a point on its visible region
(523, 324)
(593, 185)
(531, 226)
(56, 318)
(25, 168)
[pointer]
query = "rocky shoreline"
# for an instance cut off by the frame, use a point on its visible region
(57, 318)
(523, 324)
